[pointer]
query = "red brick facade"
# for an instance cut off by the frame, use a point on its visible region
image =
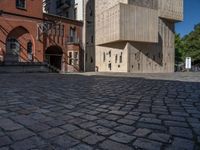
(53, 42)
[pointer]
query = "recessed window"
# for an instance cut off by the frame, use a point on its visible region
(104, 57)
(138, 66)
(110, 54)
(91, 60)
(21, 4)
(116, 58)
(120, 58)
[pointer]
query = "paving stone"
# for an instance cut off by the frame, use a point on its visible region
(176, 124)
(52, 133)
(69, 127)
(29, 143)
(20, 134)
(89, 117)
(147, 144)
(37, 116)
(9, 125)
(88, 124)
(22, 119)
(81, 147)
(39, 127)
(110, 145)
(152, 126)
(112, 117)
(76, 114)
(180, 143)
(55, 123)
(126, 121)
(131, 117)
(172, 118)
(5, 140)
(64, 141)
(161, 137)
(117, 112)
(142, 132)
(102, 130)
(122, 138)
(125, 128)
(150, 120)
(93, 139)
(182, 132)
(107, 123)
(79, 134)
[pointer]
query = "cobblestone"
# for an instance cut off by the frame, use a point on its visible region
(147, 144)
(122, 138)
(59, 112)
(93, 139)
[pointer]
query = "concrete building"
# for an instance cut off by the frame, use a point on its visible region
(89, 34)
(130, 35)
(30, 36)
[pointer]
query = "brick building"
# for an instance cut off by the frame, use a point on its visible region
(29, 36)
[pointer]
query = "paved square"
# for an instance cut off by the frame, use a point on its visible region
(61, 112)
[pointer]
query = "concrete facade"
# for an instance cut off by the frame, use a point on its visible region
(133, 35)
(40, 37)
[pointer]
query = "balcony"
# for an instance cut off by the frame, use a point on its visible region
(125, 22)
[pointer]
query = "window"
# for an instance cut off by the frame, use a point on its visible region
(76, 58)
(116, 58)
(21, 4)
(70, 58)
(72, 34)
(110, 54)
(13, 44)
(120, 58)
(91, 60)
(104, 57)
(110, 66)
(138, 66)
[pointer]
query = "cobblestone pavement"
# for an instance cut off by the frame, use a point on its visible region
(61, 112)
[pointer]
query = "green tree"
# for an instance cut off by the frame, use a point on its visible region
(192, 44)
(179, 49)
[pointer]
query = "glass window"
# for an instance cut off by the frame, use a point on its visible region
(21, 4)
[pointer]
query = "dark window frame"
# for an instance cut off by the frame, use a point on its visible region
(21, 4)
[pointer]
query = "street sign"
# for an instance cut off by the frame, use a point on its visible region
(188, 63)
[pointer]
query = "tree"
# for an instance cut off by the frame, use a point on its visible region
(192, 43)
(188, 46)
(179, 49)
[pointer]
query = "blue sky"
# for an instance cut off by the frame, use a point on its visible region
(191, 17)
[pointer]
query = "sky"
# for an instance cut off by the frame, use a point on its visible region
(191, 17)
